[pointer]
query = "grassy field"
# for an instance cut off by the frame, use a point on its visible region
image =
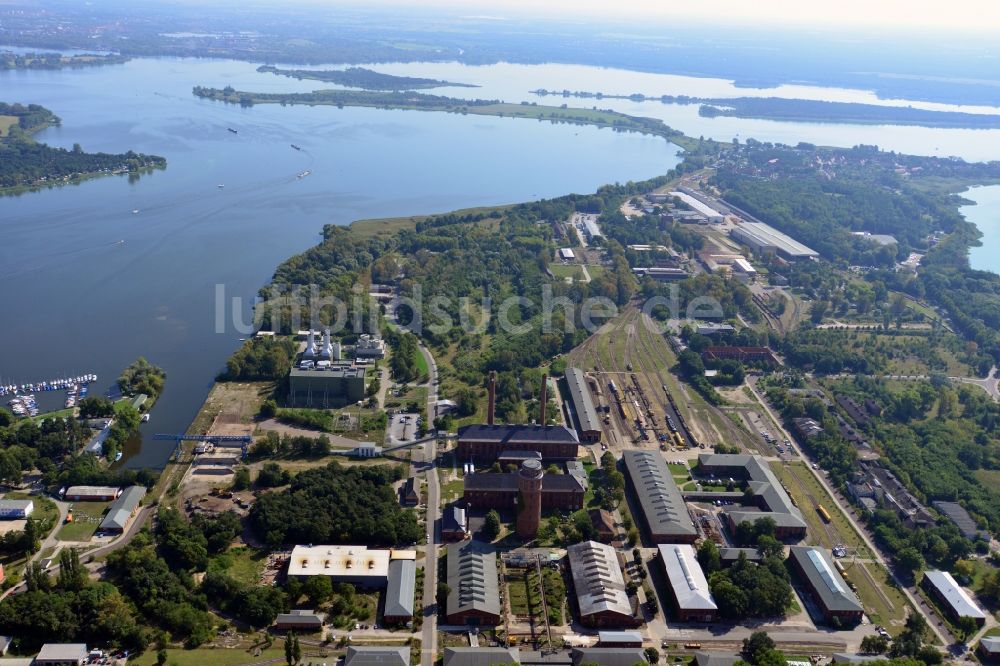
(452, 490)
(86, 518)
(243, 564)
(595, 270)
(884, 604)
(221, 656)
(566, 271)
(6, 122)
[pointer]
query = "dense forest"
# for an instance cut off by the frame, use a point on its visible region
(365, 79)
(260, 359)
(336, 504)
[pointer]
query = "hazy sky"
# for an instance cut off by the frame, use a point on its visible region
(975, 15)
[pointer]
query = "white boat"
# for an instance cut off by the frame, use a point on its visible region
(118, 456)
(145, 418)
(135, 211)
(221, 186)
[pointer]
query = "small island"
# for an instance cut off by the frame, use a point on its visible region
(365, 79)
(10, 60)
(26, 164)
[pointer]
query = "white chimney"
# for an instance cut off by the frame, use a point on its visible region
(337, 352)
(311, 344)
(327, 350)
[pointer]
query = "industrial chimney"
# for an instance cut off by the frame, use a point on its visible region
(327, 350)
(545, 396)
(492, 390)
(311, 343)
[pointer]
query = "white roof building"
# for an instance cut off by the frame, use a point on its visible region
(953, 594)
(355, 564)
(687, 580)
(598, 579)
(699, 206)
(566, 253)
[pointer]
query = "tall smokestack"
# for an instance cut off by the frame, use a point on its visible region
(311, 344)
(545, 395)
(492, 389)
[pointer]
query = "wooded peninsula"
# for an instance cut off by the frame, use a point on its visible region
(26, 164)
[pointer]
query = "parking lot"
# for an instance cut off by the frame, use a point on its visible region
(403, 427)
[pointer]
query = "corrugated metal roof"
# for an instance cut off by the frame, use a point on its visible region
(399, 591)
(374, 655)
(469, 656)
(686, 577)
(598, 579)
(953, 593)
(608, 656)
(517, 434)
(121, 509)
(824, 579)
(760, 234)
(472, 577)
(763, 483)
(659, 497)
(583, 404)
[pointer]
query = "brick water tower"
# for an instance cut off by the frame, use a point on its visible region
(529, 501)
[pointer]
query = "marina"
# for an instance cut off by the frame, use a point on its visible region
(24, 402)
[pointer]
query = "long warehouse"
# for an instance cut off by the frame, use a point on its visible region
(663, 508)
(588, 425)
(761, 237)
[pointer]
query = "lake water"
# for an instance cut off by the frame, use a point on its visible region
(986, 215)
(76, 299)
(89, 286)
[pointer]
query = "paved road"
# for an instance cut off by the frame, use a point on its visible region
(88, 558)
(428, 648)
(51, 541)
(932, 621)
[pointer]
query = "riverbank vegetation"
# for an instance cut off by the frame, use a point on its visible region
(26, 164)
(363, 78)
(9, 60)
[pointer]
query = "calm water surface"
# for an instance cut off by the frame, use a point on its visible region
(88, 286)
(986, 215)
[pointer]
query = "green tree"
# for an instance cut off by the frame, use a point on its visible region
(967, 627)
(289, 655)
(492, 525)
(318, 589)
(756, 645)
(910, 560)
(652, 655)
(161, 657)
(241, 479)
(296, 650)
(709, 557)
(874, 644)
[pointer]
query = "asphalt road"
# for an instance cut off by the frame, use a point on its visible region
(428, 648)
